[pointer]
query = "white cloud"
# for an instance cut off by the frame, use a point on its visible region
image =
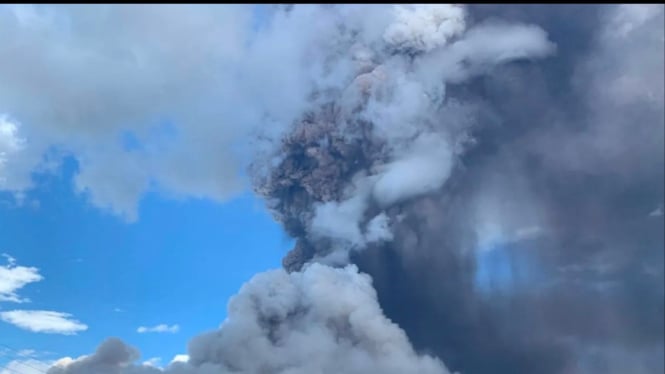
(105, 83)
(13, 278)
(154, 362)
(424, 169)
(340, 220)
(44, 321)
(10, 144)
(26, 353)
(180, 358)
(378, 229)
(30, 366)
(162, 328)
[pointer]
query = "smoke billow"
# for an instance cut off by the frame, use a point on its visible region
(287, 323)
(499, 174)
(496, 170)
(391, 134)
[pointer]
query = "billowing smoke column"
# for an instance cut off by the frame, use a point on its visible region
(391, 134)
(497, 170)
(508, 206)
(287, 323)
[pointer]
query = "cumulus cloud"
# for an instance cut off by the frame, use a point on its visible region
(161, 328)
(43, 321)
(105, 86)
(13, 278)
(112, 356)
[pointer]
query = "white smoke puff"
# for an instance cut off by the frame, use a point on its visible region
(406, 96)
(498, 43)
(481, 48)
(363, 58)
(378, 229)
(340, 220)
(398, 105)
(425, 168)
(422, 28)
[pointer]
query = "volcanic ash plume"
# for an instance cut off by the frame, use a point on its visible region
(497, 171)
(388, 136)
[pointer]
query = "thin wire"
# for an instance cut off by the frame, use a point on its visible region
(21, 362)
(6, 367)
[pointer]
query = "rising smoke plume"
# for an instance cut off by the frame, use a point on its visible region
(287, 323)
(461, 154)
(496, 170)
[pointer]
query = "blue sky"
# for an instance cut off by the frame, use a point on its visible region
(178, 264)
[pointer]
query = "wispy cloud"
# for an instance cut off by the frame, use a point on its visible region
(26, 353)
(162, 328)
(44, 321)
(29, 366)
(154, 362)
(180, 358)
(13, 278)
(658, 212)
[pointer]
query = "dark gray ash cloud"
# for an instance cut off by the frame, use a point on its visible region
(561, 176)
